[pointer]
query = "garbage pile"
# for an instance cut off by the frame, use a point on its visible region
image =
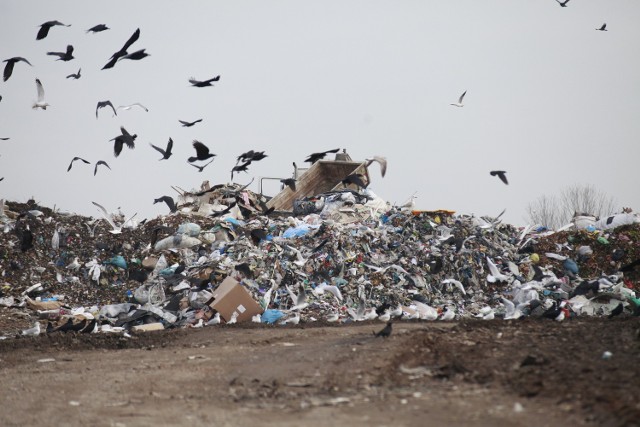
(348, 256)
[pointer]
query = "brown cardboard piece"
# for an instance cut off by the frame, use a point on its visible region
(231, 297)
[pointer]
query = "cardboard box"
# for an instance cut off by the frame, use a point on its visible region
(231, 297)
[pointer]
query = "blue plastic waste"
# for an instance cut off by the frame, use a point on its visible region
(570, 265)
(118, 261)
(271, 316)
(234, 221)
(298, 231)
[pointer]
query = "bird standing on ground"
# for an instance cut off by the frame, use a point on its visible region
(40, 102)
(616, 311)
(169, 201)
(120, 140)
(319, 156)
(97, 28)
(44, 28)
(74, 159)
(98, 163)
(202, 152)
(203, 83)
(32, 332)
(459, 103)
(75, 76)
(603, 28)
(102, 104)
(189, 124)
(8, 69)
(165, 153)
(501, 175)
(63, 56)
(384, 332)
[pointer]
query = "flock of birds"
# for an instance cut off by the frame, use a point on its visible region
(203, 155)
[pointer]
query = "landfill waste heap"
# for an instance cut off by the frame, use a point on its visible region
(349, 256)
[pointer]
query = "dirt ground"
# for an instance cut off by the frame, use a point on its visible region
(469, 373)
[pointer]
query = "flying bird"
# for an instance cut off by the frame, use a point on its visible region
(354, 178)
(8, 69)
(166, 153)
(319, 156)
(63, 56)
(241, 168)
(136, 56)
(501, 175)
(603, 28)
(74, 159)
(382, 161)
(289, 182)
(98, 163)
(169, 201)
(202, 152)
(102, 104)
(459, 103)
(203, 83)
(40, 102)
(201, 168)
(44, 28)
(189, 124)
(563, 3)
(115, 229)
(98, 28)
(129, 107)
(75, 76)
(385, 332)
(120, 140)
(123, 51)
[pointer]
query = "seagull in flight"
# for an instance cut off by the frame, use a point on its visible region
(98, 163)
(75, 76)
(201, 168)
(124, 138)
(166, 153)
(77, 158)
(382, 161)
(128, 107)
(563, 3)
(319, 156)
(116, 229)
(123, 51)
(603, 28)
(203, 83)
(501, 174)
(459, 103)
(40, 102)
(202, 152)
(98, 28)
(44, 28)
(63, 56)
(102, 104)
(189, 124)
(8, 69)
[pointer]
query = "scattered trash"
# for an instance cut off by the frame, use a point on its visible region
(348, 256)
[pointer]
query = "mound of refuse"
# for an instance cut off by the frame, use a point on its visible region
(343, 257)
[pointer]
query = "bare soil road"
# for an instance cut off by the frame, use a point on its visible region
(480, 373)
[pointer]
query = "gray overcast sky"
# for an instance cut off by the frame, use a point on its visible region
(550, 100)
